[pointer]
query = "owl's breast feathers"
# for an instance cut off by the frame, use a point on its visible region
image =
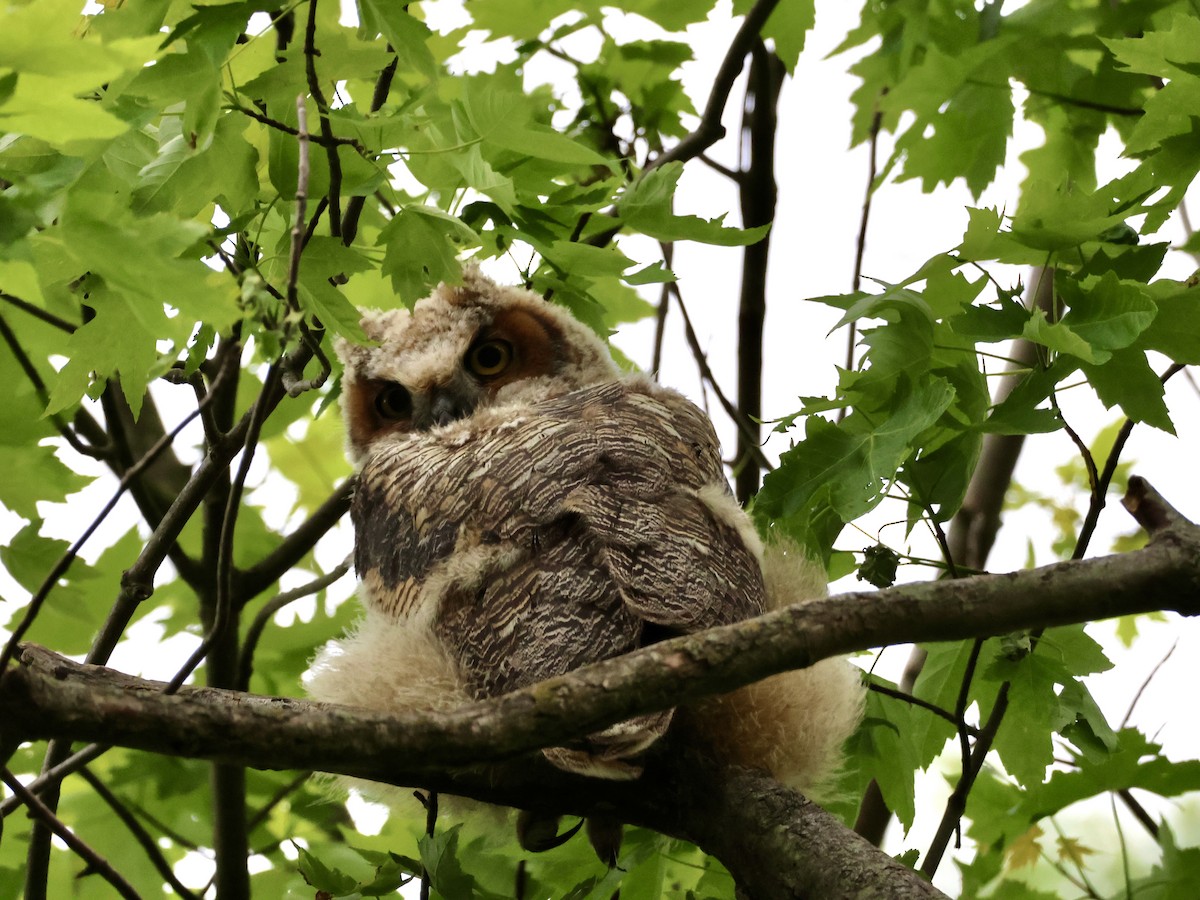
(542, 537)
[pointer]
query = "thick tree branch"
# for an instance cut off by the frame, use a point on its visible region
(48, 696)
(757, 193)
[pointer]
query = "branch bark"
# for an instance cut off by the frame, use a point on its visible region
(775, 841)
(50, 696)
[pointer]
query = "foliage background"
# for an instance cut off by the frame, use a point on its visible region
(111, 169)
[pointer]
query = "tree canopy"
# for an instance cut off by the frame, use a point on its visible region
(196, 198)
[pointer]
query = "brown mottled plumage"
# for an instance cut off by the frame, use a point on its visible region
(524, 509)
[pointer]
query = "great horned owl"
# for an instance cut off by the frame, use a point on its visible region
(524, 509)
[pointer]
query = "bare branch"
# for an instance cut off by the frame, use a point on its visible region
(331, 151)
(95, 861)
(144, 839)
(274, 605)
(45, 696)
(354, 206)
(757, 194)
(253, 581)
(710, 130)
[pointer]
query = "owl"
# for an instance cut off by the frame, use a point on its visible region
(524, 508)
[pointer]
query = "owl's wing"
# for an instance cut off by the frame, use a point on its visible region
(544, 537)
(675, 544)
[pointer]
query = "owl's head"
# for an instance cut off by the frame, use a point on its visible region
(464, 348)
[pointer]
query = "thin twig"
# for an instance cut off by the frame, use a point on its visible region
(38, 313)
(957, 804)
(331, 150)
(1145, 684)
(914, 700)
(224, 612)
(734, 175)
(861, 244)
(355, 205)
(1139, 812)
(95, 861)
(144, 839)
(660, 315)
(59, 569)
(39, 386)
(1085, 454)
(1124, 848)
(274, 605)
(1099, 496)
(707, 374)
(331, 141)
(293, 276)
(56, 774)
(253, 581)
(279, 796)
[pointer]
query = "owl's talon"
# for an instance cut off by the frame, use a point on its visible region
(537, 832)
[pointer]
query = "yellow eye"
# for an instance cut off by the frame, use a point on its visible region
(393, 402)
(488, 359)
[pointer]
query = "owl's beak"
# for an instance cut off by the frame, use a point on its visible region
(442, 405)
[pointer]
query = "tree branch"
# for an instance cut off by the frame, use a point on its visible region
(253, 581)
(50, 696)
(95, 861)
(45, 695)
(710, 130)
(757, 194)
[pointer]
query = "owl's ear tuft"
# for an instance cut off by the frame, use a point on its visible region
(383, 325)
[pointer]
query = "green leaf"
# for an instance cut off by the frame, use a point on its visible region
(1136, 763)
(1024, 741)
(120, 339)
(1176, 876)
(504, 118)
(521, 19)
(1058, 336)
(439, 856)
(407, 35)
(788, 26)
(846, 467)
(479, 174)
(422, 246)
(1109, 314)
(325, 261)
(655, 273)
(1175, 331)
(1169, 54)
(1126, 380)
(584, 260)
(58, 74)
(647, 207)
(880, 750)
(324, 878)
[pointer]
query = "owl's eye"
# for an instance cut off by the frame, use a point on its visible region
(488, 359)
(394, 402)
